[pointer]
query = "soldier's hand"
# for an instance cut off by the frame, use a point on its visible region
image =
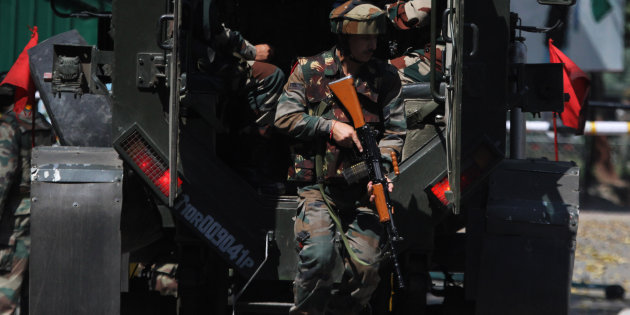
(370, 188)
(345, 135)
(263, 52)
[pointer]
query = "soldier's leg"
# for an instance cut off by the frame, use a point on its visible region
(14, 260)
(318, 255)
(10, 285)
(266, 86)
(363, 231)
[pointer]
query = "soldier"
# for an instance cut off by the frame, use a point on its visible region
(260, 156)
(249, 88)
(252, 88)
(16, 141)
(413, 63)
(308, 112)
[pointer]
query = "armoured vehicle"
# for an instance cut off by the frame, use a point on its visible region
(486, 231)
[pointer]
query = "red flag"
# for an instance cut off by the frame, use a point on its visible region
(576, 84)
(20, 76)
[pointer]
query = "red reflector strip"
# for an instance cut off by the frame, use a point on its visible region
(439, 190)
(149, 162)
(165, 181)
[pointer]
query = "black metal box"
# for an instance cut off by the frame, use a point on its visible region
(529, 242)
(76, 203)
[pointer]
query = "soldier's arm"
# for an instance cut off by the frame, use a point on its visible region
(292, 116)
(405, 15)
(9, 153)
(394, 117)
(236, 42)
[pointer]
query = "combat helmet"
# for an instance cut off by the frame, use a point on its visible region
(355, 17)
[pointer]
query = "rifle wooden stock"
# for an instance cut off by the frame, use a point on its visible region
(380, 202)
(347, 94)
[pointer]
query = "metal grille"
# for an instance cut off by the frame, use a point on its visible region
(146, 158)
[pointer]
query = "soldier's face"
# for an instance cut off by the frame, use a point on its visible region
(362, 47)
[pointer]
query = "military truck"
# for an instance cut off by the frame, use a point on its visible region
(144, 173)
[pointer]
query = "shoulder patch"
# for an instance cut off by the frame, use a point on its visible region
(295, 86)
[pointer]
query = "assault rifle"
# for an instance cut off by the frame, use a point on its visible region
(371, 156)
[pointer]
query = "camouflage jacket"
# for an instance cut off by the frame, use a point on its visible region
(15, 165)
(9, 158)
(415, 66)
(307, 92)
(405, 15)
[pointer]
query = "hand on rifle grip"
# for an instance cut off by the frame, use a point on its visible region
(370, 189)
(346, 136)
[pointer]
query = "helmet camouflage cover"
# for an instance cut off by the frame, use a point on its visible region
(358, 18)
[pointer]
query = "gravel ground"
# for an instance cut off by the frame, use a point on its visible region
(602, 259)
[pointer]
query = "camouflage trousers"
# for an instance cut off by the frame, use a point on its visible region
(265, 86)
(260, 154)
(322, 259)
(14, 259)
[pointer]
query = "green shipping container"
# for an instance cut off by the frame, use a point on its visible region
(16, 16)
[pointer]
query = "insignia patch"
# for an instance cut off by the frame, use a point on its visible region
(295, 86)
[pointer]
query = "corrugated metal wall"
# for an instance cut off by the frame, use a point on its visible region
(17, 15)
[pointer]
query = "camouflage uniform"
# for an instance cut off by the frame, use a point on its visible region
(306, 111)
(413, 66)
(15, 204)
(406, 15)
(232, 57)
(257, 85)
(262, 81)
(226, 39)
(261, 156)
